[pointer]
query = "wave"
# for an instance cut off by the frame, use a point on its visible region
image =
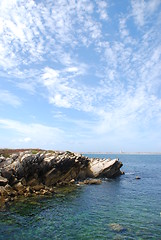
(129, 173)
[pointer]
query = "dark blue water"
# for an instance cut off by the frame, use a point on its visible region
(122, 208)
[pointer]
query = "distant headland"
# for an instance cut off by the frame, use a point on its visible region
(126, 153)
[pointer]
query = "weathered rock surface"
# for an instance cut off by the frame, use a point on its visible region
(26, 173)
(104, 168)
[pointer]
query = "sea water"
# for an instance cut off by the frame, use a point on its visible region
(120, 208)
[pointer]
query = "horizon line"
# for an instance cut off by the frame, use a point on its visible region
(137, 153)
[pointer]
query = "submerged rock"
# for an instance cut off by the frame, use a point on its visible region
(116, 227)
(29, 173)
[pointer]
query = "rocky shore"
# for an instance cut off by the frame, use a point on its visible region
(31, 172)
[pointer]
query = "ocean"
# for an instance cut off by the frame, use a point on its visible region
(121, 208)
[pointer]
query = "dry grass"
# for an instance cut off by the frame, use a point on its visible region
(6, 152)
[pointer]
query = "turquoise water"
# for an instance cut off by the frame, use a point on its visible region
(122, 208)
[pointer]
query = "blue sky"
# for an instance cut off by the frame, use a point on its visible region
(80, 75)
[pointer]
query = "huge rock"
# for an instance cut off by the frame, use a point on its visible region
(51, 168)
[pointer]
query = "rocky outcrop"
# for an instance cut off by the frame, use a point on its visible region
(26, 173)
(104, 168)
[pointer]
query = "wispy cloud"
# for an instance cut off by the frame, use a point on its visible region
(142, 10)
(102, 9)
(64, 91)
(7, 97)
(38, 30)
(32, 134)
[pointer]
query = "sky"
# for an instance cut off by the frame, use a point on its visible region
(80, 75)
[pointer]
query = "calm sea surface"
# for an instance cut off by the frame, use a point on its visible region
(122, 208)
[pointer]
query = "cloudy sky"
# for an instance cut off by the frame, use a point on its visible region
(80, 75)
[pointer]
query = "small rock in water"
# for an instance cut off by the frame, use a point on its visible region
(72, 181)
(92, 181)
(116, 227)
(137, 177)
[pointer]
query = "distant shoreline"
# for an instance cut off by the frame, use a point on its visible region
(8, 151)
(124, 153)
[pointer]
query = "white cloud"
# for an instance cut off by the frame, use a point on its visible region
(153, 5)
(138, 11)
(32, 134)
(143, 9)
(25, 140)
(64, 91)
(50, 77)
(40, 31)
(7, 97)
(123, 29)
(102, 9)
(29, 86)
(72, 69)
